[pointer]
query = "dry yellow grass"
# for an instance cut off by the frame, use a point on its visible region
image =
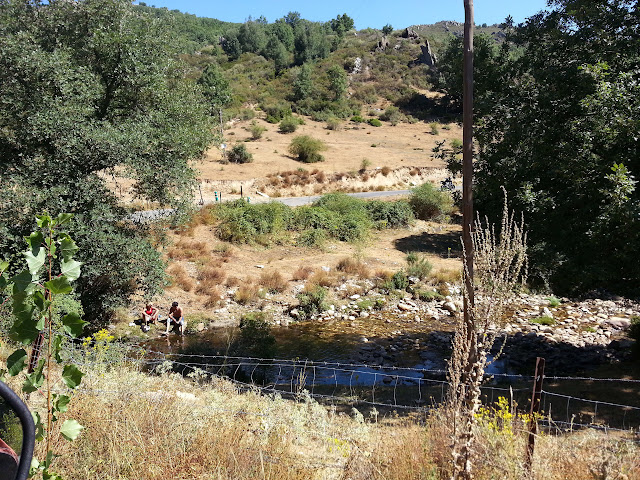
(149, 427)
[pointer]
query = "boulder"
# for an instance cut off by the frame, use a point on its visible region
(427, 57)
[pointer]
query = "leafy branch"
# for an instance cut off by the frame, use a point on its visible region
(36, 292)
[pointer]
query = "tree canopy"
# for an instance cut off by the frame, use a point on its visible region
(558, 127)
(88, 90)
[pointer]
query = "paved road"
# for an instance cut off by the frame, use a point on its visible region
(146, 216)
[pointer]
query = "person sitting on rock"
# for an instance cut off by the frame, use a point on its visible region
(149, 315)
(176, 318)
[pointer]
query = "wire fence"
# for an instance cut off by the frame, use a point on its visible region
(567, 403)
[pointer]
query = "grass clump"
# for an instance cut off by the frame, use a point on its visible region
(544, 320)
(352, 267)
(307, 149)
(312, 301)
(273, 282)
(429, 203)
(553, 301)
(246, 294)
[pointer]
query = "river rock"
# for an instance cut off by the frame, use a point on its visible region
(200, 327)
(619, 323)
(450, 307)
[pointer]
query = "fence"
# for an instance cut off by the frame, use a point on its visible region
(566, 403)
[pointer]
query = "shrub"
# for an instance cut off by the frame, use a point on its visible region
(428, 295)
(312, 238)
(352, 267)
(374, 122)
(390, 214)
(428, 202)
(302, 273)
(418, 266)
(385, 170)
(312, 301)
(307, 149)
(398, 281)
(247, 293)
(240, 154)
(357, 119)
(364, 164)
(434, 128)
(212, 275)
(181, 278)
(276, 111)
(256, 131)
(391, 114)
(289, 124)
(353, 223)
(334, 123)
(322, 279)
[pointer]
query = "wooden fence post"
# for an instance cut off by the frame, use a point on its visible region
(533, 412)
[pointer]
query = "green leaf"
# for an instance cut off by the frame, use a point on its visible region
(23, 282)
(73, 324)
(33, 382)
(72, 376)
(57, 347)
(67, 248)
(43, 220)
(3, 266)
(70, 269)
(37, 421)
(35, 241)
(24, 329)
(16, 362)
(63, 218)
(61, 402)
(35, 464)
(59, 285)
(52, 247)
(70, 429)
(47, 475)
(35, 262)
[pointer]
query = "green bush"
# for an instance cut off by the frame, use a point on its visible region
(334, 123)
(353, 223)
(418, 266)
(256, 131)
(312, 238)
(399, 281)
(434, 128)
(392, 114)
(312, 302)
(240, 154)
(243, 222)
(276, 111)
(390, 214)
(428, 295)
(374, 122)
(289, 124)
(357, 119)
(307, 149)
(428, 202)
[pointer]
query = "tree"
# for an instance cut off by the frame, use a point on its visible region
(277, 52)
(338, 81)
(341, 24)
(307, 149)
(559, 134)
(97, 95)
(387, 29)
(303, 83)
(215, 87)
(292, 19)
(252, 37)
(311, 42)
(283, 32)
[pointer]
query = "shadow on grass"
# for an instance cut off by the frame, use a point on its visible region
(433, 243)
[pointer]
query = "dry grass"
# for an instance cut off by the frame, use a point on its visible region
(247, 293)
(233, 281)
(215, 297)
(352, 266)
(213, 431)
(186, 249)
(385, 170)
(302, 273)
(180, 277)
(446, 276)
(273, 281)
(322, 279)
(212, 275)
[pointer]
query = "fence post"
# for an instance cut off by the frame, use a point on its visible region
(533, 412)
